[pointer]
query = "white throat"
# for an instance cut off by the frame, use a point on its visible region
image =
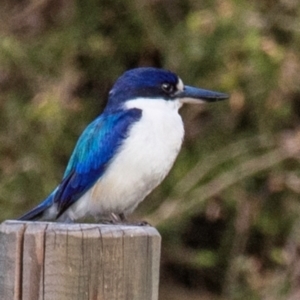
(155, 103)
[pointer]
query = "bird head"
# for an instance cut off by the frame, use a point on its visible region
(154, 84)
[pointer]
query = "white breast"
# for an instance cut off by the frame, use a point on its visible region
(144, 159)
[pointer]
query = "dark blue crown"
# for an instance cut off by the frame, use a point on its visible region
(141, 82)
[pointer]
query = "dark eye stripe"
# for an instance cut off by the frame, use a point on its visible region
(168, 88)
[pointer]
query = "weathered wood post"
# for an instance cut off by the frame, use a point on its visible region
(56, 261)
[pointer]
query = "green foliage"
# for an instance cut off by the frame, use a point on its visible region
(229, 210)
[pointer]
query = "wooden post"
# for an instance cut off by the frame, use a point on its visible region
(49, 261)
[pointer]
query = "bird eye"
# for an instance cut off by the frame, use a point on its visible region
(168, 88)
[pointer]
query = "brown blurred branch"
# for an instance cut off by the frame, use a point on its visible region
(288, 147)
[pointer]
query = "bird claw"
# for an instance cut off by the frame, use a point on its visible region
(120, 219)
(142, 223)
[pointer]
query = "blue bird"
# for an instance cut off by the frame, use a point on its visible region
(126, 151)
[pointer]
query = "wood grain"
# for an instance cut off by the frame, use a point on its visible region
(40, 260)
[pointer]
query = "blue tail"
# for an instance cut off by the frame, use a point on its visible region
(37, 212)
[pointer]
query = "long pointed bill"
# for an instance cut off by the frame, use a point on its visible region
(194, 95)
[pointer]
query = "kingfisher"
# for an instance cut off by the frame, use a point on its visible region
(126, 151)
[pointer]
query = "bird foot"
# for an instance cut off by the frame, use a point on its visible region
(141, 223)
(120, 219)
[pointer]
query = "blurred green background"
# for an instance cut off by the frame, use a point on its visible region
(229, 210)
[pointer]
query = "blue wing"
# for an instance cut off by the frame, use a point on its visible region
(90, 158)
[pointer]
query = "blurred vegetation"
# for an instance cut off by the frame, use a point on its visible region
(229, 210)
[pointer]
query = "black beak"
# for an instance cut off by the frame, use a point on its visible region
(195, 95)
